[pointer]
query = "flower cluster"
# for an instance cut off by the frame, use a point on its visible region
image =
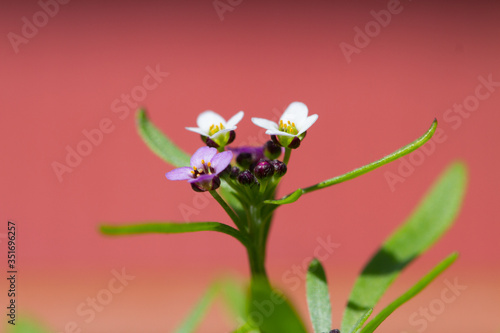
(254, 165)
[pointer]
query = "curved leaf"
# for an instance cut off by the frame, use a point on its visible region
(434, 215)
(290, 198)
(359, 171)
(160, 144)
(318, 298)
(413, 291)
(172, 228)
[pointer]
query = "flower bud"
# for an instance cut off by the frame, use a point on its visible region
(244, 160)
(208, 185)
(335, 331)
(263, 170)
(209, 142)
(246, 178)
(271, 150)
(280, 168)
(235, 171)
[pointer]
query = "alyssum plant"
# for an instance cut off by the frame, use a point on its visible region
(244, 180)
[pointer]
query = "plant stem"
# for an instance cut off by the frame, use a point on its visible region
(228, 209)
(288, 152)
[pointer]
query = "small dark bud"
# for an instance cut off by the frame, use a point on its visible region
(209, 185)
(295, 143)
(279, 168)
(197, 188)
(263, 170)
(246, 178)
(335, 331)
(232, 136)
(274, 138)
(235, 171)
(271, 150)
(209, 142)
(226, 171)
(244, 160)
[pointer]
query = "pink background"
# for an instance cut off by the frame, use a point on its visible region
(259, 58)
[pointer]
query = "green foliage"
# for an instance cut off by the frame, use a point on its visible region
(318, 298)
(413, 291)
(172, 228)
(426, 225)
(359, 171)
(26, 325)
(270, 310)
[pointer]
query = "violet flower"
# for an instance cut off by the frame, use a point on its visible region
(206, 164)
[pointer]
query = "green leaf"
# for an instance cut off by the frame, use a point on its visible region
(195, 317)
(270, 311)
(233, 295)
(434, 215)
(288, 199)
(172, 228)
(362, 320)
(413, 291)
(159, 143)
(359, 171)
(26, 325)
(318, 298)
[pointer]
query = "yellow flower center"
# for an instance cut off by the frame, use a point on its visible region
(215, 128)
(288, 127)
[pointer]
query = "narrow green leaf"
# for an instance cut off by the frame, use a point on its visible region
(359, 171)
(288, 199)
(172, 228)
(434, 215)
(195, 317)
(271, 311)
(372, 166)
(318, 298)
(413, 291)
(234, 296)
(26, 325)
(362, 320)
(160, 144)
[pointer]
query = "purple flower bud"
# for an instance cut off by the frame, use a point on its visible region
(280, 168)
(235, 171)
(209, 185)
(244, 160)
(263, 170)
(232, 136)
(295, 143)
(274, 138)
(335, 331)
(209, 142)
(271, 150)
(246, 178)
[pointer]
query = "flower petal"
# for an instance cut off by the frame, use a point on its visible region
(183, 173)
(202, 178)
(235, 120)
(296, 112)
(197, 130)
(209, 118)
(219, 133)
(203, 153)
(304, 126)
(220, 161)
(278, 132)
(264, 123)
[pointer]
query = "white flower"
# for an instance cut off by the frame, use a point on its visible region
(293, 123)
(212, 125)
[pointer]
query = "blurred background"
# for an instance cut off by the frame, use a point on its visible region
(376, 72)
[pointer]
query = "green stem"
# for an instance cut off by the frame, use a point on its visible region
(288, 152)
(228, 210)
